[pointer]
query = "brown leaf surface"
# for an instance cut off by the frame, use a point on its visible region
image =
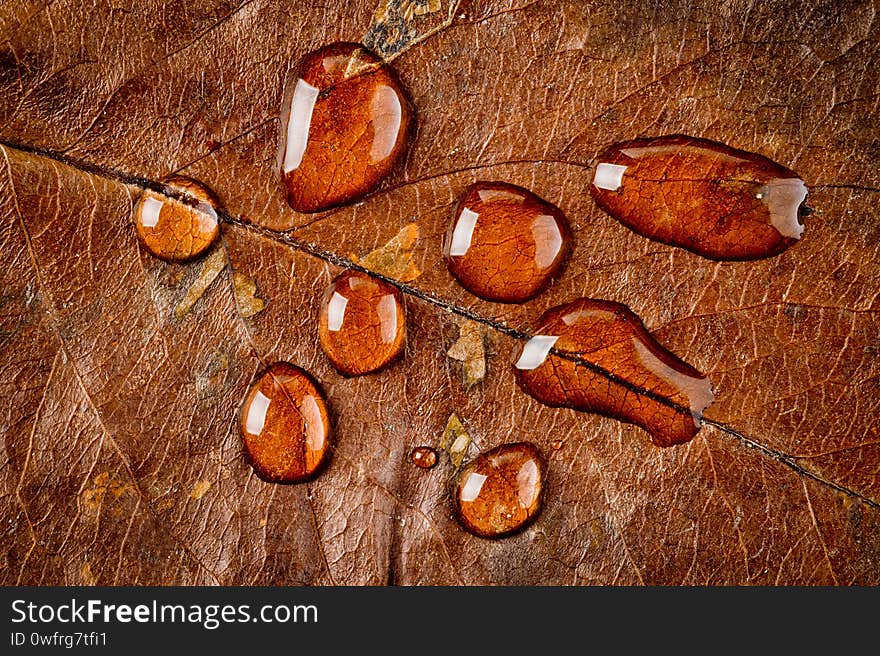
(121, 458)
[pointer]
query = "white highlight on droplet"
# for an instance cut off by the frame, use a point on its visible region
(527, 483)
(608, 176)
(256, 416)
(336, 311)
(783, 197)
(535, 352)
(472, 486)
(464, 232)
(300, 120)
(387, 310)
(548, 240)
(385, 112)
(150, 211)
(697, 390)
(314, 426)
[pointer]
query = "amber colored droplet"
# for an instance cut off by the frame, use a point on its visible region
(285, 425)
(177, 230)
(499, 492)
(362, 325)
(345, 123)
(424, 457)
(557, 444)
(711, 199)
(603, 360)
(505, 243)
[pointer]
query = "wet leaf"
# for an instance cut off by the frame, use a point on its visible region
(105, 392)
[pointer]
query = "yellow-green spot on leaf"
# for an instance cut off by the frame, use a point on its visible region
(470, 350)
(211, 268)
(246, 298)
(455, 440)
(395, 259)
(200, 489)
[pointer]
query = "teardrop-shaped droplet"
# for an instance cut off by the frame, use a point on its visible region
(597, 356)
(177, 229)
(423, 457)
(344, 125)
(285, 425)
(499, 492)
(711, 199)
(505, 243)
(362, 326)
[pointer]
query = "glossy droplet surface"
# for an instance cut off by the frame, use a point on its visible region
(423, 456)
(505, 243)
(362, 325)
(499, 492)
(711, 199)
(285, 425)
(642, 382)
(177, 230)
(345, 123)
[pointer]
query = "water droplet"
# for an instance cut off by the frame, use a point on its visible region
(285, 425)
(345, 123)
(557, 444)
(711, 199)
(362, 326)
(505, 243)
(603, 360)
(499, 492)
(424, 457)
(177, 230)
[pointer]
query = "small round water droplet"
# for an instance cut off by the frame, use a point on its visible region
(285, 425)
(177, 230)
(345, 123)
(499, 492)
(424, 457)
(557, 444)
(505, 243)
(362, 326)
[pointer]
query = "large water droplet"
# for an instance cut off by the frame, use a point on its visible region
(285, 425)
(499, 492)
(177, 230)
(344, 125)
(711, 199)
(505, 243)
(597, 356)
(362, 326)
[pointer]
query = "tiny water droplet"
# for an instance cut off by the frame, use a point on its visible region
(499, 492)
(362, 326)
(345, 122)
(596, 356)
(177, 230)
(424, 457)
(505, 243)
(701, 195)
(285, 425)
(557, 444)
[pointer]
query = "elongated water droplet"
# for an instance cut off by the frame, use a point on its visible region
(177, 230)
(285, 425)
(424, 457)
(711, 199)
(362, 326)
(345, 123)
(603, 360)
(505, 243)
(500, 491)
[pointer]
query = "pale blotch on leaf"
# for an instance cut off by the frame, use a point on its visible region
(85, 574)
(397, 25)
(199, 489)
(104, 488)
(395, 259)
(470, 350)
(246, 297)
(211, 268)
(456, 440)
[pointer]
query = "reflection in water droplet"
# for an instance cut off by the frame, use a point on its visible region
(711, 199)
(362, 326)
(423, 456)
(177, 230)
(285, 425)
(505, 243)
(345, 123)
(499, 492)
(642, 382)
